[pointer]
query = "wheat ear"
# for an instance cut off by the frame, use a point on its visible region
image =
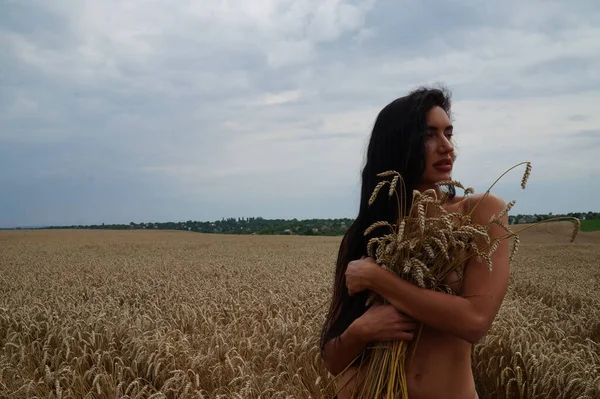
(372, 242)
(575, 229)
(376, 225)
(514, 249)
(526, 176)
(451, 183)
(393, 185)
(376, 191)
(388, 173)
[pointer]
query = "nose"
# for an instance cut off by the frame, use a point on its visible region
(446, 145)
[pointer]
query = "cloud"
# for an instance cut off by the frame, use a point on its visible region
(244, 105)
(589, 133)
(278, 98)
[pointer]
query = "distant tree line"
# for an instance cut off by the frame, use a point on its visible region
(251, 225)
(519, 219)
(310, 227)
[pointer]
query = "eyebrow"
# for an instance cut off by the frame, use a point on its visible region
(434, 128)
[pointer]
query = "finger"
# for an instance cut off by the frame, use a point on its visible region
(397, 315)
(407, 326)
(398, 336)
(393, 311)
(404, 316)
(407, 318)
(400, 324)
(405, 336)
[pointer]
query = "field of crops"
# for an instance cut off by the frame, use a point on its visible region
(104, 314)
(590, 225)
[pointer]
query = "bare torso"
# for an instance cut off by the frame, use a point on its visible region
(441, 365)
(441, 368)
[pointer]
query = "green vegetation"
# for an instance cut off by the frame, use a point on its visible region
(590, 221)
(518, 219)
(258, 225)
(590, 225)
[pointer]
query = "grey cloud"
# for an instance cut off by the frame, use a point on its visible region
(573, 64)
(82, 200)
(323, 137)
(415, 31)
(415, 28)
(590, 138)
(595, 133)
(32, 19)
(425, 28)
(579, 118)
(110, 116)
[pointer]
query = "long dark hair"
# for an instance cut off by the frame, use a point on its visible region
(397, 143)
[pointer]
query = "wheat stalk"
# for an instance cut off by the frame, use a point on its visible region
(388, 173)
(393, 185)
(456, 236)
(376, 191)
(450, 183)
(87, 303)
(377, 225)
(576, 229)
(523, 182)
(526, 175)
(516, 242)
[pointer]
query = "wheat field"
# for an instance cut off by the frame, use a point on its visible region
(139, 314)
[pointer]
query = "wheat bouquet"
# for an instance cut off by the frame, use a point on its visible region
(424, 247)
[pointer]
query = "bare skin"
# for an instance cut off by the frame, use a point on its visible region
(441, 367)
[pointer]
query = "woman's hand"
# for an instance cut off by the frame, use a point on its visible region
(358, 275)
(385, 323)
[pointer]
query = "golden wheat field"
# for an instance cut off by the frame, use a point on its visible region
(138, 314)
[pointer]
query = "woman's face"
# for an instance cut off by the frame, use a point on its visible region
(439, 150)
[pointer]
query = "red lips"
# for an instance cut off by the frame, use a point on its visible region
(443, 162)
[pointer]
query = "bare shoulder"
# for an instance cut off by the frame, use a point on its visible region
(485, 206)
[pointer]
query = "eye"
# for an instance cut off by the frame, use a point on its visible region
(449, 135)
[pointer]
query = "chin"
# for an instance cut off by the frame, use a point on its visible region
(435, 178)
(442, 176)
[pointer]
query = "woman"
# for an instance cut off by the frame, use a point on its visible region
(413, 136)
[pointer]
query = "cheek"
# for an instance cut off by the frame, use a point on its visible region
(429, 153)
(429, 156)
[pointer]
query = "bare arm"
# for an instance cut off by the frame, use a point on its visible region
(378, 323)
(341, 351)
(454, 315)
(468, 317)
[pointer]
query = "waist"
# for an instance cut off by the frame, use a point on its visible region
(440, 368)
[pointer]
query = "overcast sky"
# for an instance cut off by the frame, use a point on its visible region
(141, 110)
